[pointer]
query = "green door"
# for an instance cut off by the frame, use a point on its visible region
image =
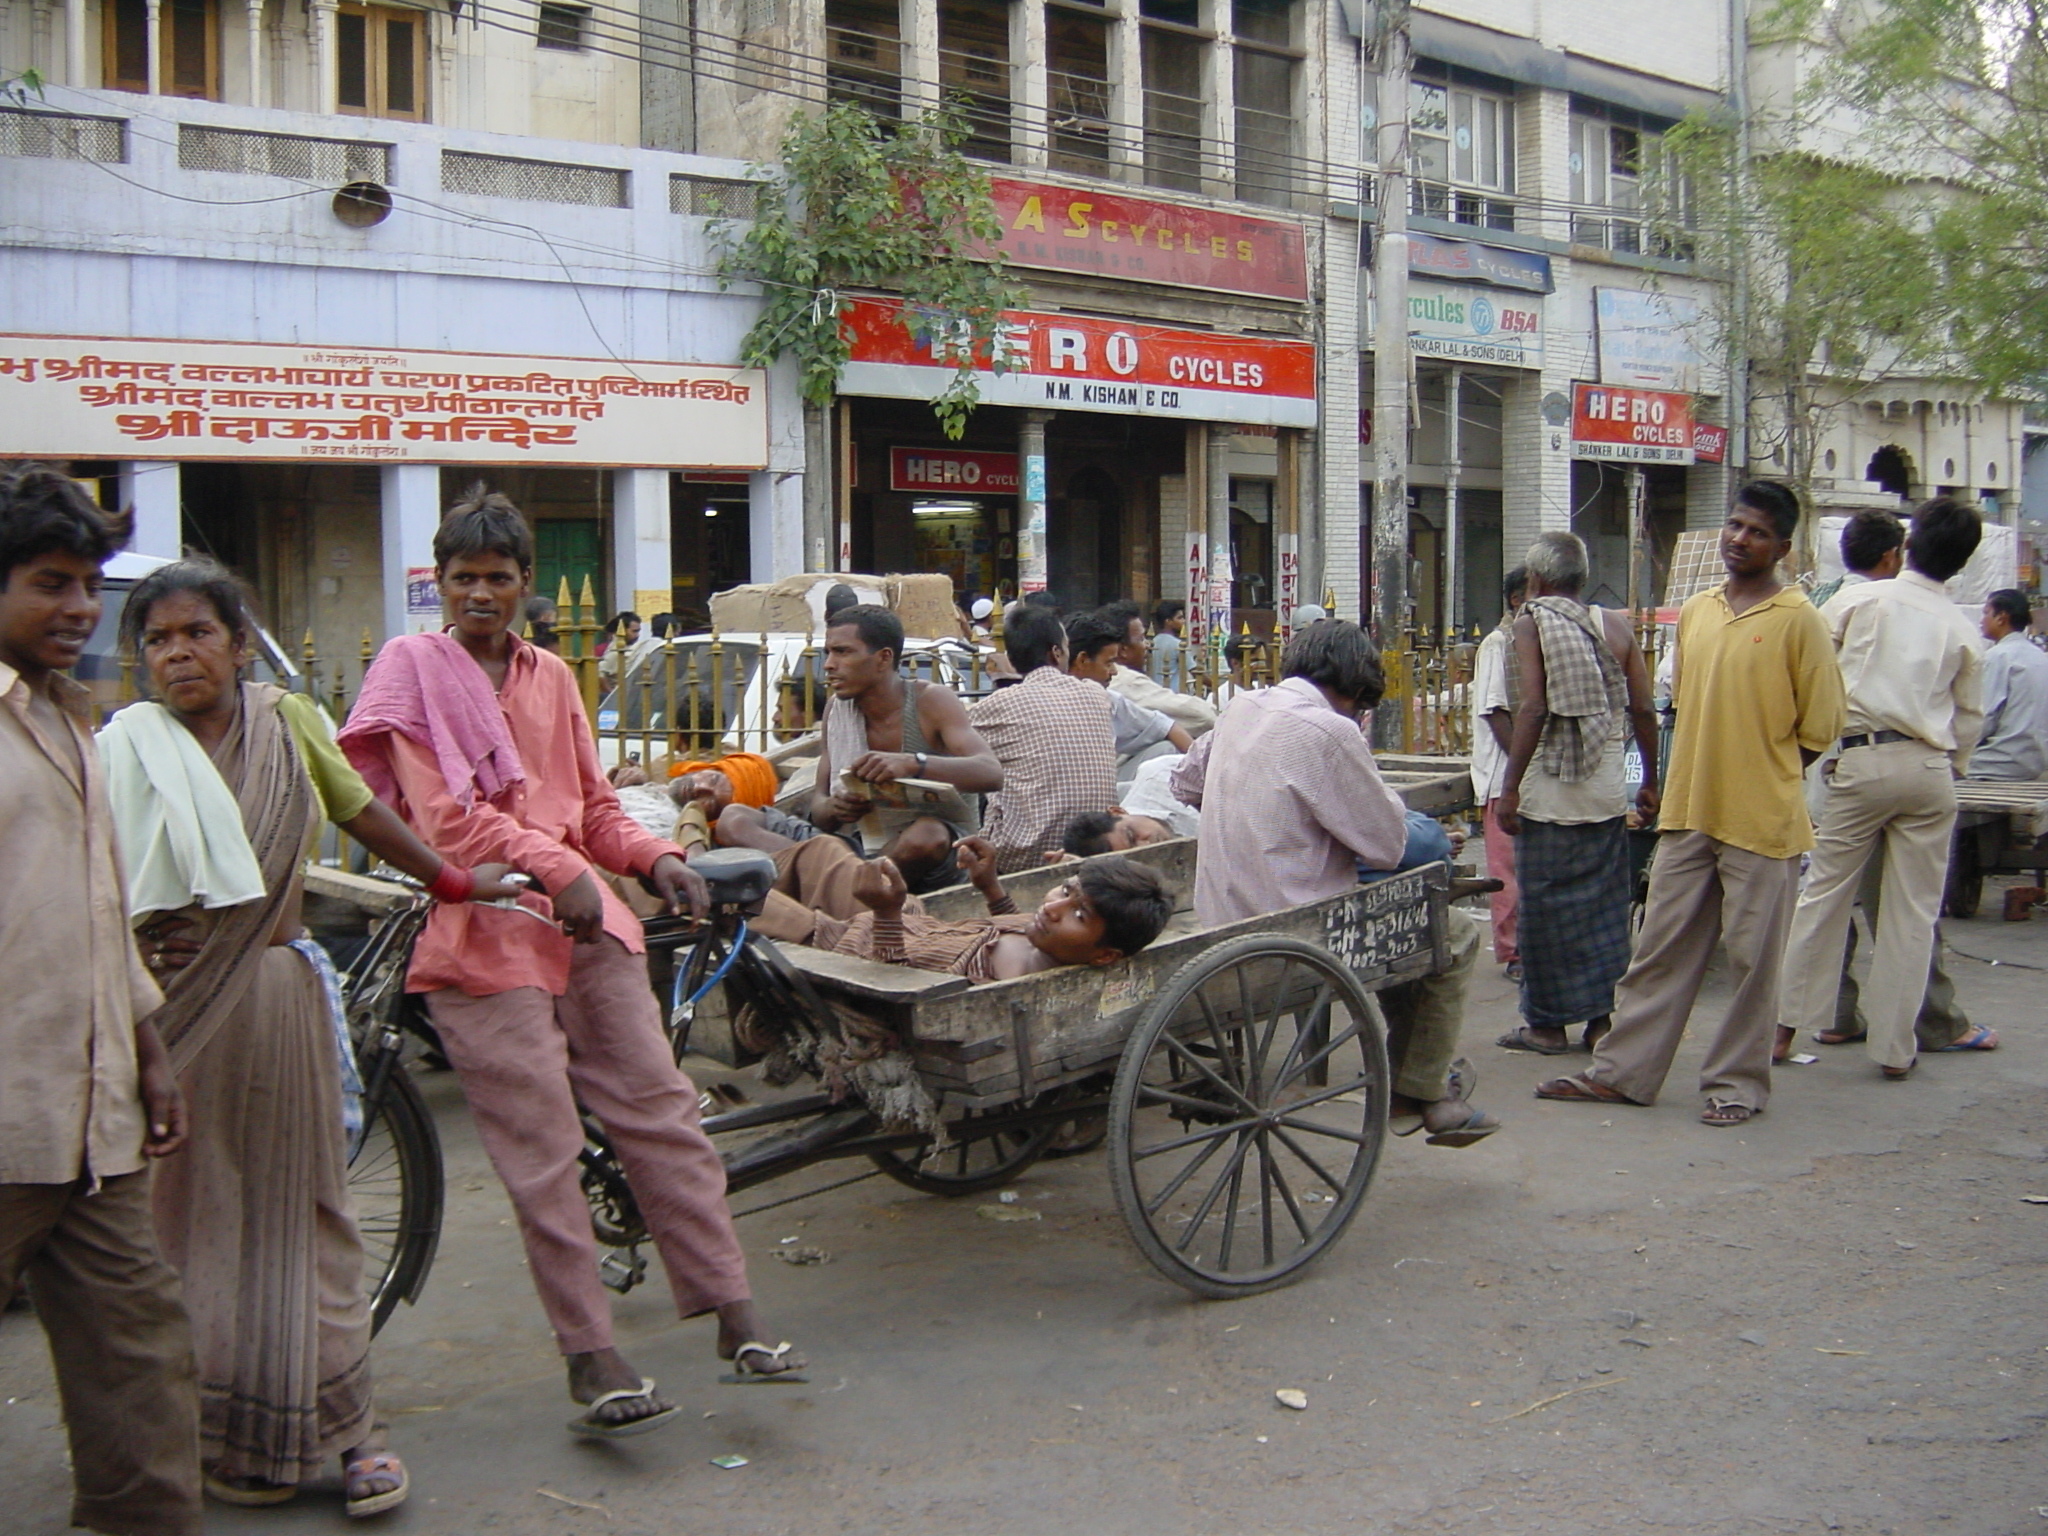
(571, 547)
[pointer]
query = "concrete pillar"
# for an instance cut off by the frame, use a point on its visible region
(253, 35)
(74, 45)
(410, 514)
(1219, 113)
(775, 524)
(1126, 92)
(150, 491)
(326, 60)
(642, 575)
(1221, 574)
(1031, 563)
(1536, 457)
(1028, 85)
(920, 24)
(153, 36)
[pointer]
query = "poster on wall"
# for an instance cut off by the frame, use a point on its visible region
(81, 397)
(1647, 340)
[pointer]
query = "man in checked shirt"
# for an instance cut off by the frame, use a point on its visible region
(1293, 808)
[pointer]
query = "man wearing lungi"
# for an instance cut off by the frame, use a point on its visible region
(1581, 684)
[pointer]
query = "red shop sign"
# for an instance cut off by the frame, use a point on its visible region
(1709, 444)
(1106, 234)
(1081, 363)
(953, 469)
(1641, 426)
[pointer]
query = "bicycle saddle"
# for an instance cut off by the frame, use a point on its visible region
(737, 877)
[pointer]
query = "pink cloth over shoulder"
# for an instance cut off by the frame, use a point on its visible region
(429, 690)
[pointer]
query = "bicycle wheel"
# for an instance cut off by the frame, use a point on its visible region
(974, 1161)
(396, 1183)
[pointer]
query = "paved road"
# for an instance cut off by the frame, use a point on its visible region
(1834, 1319)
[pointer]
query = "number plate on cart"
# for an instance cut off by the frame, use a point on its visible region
(1385, 922)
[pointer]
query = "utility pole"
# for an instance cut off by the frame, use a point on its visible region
(1739, 204)
(1390, 344)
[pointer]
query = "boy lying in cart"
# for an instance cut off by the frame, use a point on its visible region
(828, 897)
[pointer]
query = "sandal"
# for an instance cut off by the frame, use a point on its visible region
(746, 1374)
(1836, 1037)
(1476, 1126)
(590, 1426)
(1581, 1089)
(1900, 1074)
(1726, 1112)
(1781, 1046)
(1978, 1037)
(1519, 1039)
(363, 1467)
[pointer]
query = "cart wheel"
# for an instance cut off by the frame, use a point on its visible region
(1248, 1115)
(1965, 877)
(971, 1162)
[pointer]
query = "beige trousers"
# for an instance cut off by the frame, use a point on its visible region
(1899, 797)
(1703, 893)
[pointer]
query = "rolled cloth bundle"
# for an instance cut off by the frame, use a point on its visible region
(754, 780)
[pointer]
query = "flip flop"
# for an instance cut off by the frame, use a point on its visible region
(1900, 1074)
(1519, 1039)
(1725, 1112)
(249, 1493)
(743, 1374)
(593, 1428)
(370, 1466)
(1476, 1126)
(1580, 1089)
(1981, 1037)
(1836, 1037)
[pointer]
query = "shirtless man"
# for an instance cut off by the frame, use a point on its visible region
(880, 727)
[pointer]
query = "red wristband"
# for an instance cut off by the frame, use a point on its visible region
(454, 883)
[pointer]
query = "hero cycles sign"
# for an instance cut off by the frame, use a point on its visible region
(1084, 363)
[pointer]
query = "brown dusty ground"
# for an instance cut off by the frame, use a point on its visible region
(1834, 1319)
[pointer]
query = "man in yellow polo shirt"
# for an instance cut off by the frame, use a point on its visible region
(1759, 697)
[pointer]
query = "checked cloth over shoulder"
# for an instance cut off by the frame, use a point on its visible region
(1585, 692)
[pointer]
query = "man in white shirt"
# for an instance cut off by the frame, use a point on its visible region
(1492, 730)
(1129, 681)
(1910, 670)
(2015, 744)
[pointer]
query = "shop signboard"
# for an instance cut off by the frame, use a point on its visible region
(1647, 340)
(72, 397)
(1475, 325)
(959, 471)
(1109, 234)
(1709, 444)
(1469, 261)
(1637, 426)
(1081, 363)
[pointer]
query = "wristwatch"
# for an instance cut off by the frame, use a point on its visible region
(921, 760)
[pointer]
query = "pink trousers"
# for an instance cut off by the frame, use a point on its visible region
(525, 1059)
(1505, 903)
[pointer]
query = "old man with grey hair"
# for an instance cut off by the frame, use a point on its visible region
(1578, 685)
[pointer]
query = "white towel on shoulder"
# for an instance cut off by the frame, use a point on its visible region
(180, 830)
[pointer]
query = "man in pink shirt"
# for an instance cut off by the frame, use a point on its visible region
(1294, 810)
(481, 742)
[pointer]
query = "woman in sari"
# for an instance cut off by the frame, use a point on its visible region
(218, 792)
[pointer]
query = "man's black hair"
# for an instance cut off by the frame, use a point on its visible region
(664, 625)
(1122, 611)
(1868, 537)
(484, 523)
(620, 620)
(1167, 611)
(1088, 633)
(42, 512)
(1515, 581)
(2012, 602)
(1041, 599)
(1946, 532)
(1336, 654)
(838, 598)
(1131, 900)
(1776, 500)
(1030, 638)
(1088, 834)
(878, 628)
(221, 588)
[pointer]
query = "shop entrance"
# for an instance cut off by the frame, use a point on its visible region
(711, 545)
(1085, 564)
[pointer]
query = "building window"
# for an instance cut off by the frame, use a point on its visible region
(1626, 193)
(188, 47)
(566, 27)
(1077, 90)
(1462, 152)
(1172, 55)
(864, 55)
(381, 60)
(1265, 63)
(974, 71)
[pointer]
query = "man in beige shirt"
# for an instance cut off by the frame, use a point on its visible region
(86, 1092)
(1910, 668)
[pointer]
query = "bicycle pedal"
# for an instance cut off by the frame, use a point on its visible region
(621, 1269)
